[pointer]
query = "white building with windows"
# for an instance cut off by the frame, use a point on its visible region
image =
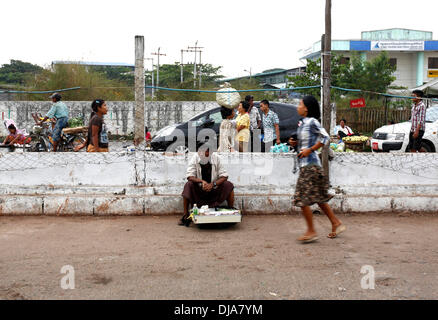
(413, 52)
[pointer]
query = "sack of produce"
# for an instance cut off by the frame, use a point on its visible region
(75, 122)
(228, 97)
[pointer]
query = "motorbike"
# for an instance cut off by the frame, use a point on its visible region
(42, 136)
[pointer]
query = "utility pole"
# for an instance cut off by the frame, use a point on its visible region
(250, 73)
(182, 63)
(195, 48)
(139, 134)
(200, 67)
(152, 73)
(158, 64)
(326, 81)
(182, 66)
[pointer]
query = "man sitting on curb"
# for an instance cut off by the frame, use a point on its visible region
(207, 183)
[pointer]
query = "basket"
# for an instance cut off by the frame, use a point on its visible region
(355, 142)
(356, 146)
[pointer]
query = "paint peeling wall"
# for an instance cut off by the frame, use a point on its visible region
(120, 117)
(151, 183)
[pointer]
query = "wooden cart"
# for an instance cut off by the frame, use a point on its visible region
(75, 130)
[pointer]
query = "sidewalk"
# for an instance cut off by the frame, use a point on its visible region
(153, 258)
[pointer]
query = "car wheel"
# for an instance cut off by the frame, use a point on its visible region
(425, 147)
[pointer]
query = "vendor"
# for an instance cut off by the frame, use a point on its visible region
(342, 130)
(207, 183)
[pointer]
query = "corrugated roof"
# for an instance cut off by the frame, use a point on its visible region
(262, 74)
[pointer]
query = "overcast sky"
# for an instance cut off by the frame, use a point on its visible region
(235, 34)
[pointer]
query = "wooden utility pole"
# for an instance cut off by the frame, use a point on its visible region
(158, 64)
(200, 69)
(139, 134)
(182, 65)
(326, 81)
(152, 76)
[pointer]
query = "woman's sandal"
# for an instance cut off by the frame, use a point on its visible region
(339, 229)
(308, 239)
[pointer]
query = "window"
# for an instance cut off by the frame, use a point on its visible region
(393, 62)
(433, 63)
(199, 121)
(432, 114)
(217, 117)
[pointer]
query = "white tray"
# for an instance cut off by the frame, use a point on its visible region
(226, 218)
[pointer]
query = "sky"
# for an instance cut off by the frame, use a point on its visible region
(238, 35)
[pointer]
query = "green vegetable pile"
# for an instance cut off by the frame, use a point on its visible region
(75, 122)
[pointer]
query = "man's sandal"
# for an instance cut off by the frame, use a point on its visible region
(339, 229)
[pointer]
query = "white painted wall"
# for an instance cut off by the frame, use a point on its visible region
(120, 116)
(151, 183)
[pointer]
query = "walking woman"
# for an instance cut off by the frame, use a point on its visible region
(312, 185)
(99, 132)
(242, 126)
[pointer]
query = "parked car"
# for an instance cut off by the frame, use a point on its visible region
(395, 138)
(212, 119)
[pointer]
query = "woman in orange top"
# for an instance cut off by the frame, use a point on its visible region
(242, 126)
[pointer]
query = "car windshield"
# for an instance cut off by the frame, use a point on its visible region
(432, 114)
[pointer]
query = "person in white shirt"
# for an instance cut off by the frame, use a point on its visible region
(342, 130)
(207, 183)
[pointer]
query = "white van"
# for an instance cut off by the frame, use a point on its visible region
(395, 138)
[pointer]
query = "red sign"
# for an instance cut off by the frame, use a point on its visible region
(359, 103)
(375, 146)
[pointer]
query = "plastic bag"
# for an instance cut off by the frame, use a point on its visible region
(230, 98)
(280, 148)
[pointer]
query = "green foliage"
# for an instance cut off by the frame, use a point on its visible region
(312, 76)
(253, 83)
(17, 72)
(122, 74)
(170, 77)
(93, 84)
(375, 75)
(75, 122)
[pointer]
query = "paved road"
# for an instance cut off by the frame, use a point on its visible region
(153, 258)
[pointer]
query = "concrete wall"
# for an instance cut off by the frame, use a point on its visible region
(151, 183)
(120, 117)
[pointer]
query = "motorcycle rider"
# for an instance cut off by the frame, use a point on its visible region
(59, 111)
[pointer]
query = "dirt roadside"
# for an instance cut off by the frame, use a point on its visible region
(153, 258)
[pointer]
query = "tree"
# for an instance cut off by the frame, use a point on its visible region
(17, 72)
(122, 74)
(253, 83)
(170, 74)
(375, 75)
(170, 77)
(312, 76)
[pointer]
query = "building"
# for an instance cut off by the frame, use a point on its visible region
(272, 78)
(413, 52)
